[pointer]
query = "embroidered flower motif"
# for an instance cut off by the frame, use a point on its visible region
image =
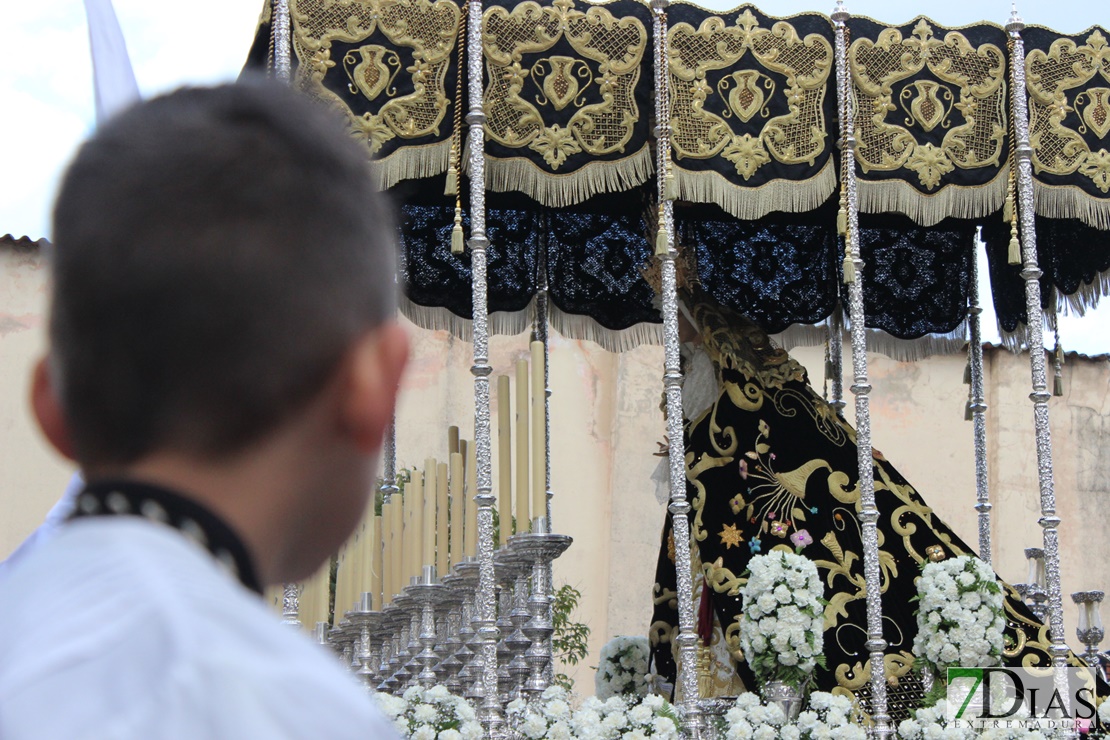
(736, 503)
(779, 529)
(754, 545)
(556, 144)
(801, 538)
(743, 468)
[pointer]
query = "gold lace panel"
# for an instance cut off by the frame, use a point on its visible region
(732, 118)
(527, 87)
(911, 93)
(1069, 119)
(426, 30)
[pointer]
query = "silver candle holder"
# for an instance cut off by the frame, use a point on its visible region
(513, 574)
(1090, 631)
(540, 549)
(1036, 588)
(368, 624)
(426, 595)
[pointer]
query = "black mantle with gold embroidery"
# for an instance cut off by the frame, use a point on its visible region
(770, 459)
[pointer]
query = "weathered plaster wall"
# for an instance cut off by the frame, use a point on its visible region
(32, 475)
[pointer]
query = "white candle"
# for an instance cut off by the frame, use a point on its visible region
(442, 562)
(504, 457)
(539, 435)
(522, 449)
(374, 562)
(428, 530)
(457, 515)
(471, 504)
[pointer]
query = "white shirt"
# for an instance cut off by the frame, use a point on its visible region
(123, 628)
(55, 518)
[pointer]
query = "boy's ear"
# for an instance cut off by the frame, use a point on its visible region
(47, 407)
(376, 363)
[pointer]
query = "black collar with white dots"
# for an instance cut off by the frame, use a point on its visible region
(131, 498)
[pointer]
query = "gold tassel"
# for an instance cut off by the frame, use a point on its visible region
(1015, 251)
(1008, 209)
(457, 233)
(967, 411)
(967, 373)
(661, 241)
(842, 222)
(849, 270)
(451, 187)
(670, 187)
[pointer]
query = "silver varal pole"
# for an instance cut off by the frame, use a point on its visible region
(868, 515)
(542, 328)
(282, 54)
(1031, 272)
(836, 358)
(978, 408)
(672, 385)
(490, 709)
(282, 67)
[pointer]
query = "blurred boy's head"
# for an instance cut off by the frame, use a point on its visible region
(219, 254)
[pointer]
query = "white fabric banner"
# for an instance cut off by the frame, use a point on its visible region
(113, 80)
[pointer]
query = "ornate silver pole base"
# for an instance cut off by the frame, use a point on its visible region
(427, 595)
(540, 550)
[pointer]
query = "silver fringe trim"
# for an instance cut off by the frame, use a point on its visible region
(750, 204)
(879, 342)
(1054, 201)
(956, 201)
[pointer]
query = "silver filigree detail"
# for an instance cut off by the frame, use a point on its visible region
(1031, 272)
(861, 388)
(283, 58)
(978, 408)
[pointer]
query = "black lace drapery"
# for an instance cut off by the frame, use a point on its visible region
(778, 271)
(592, 257)
(781, 270)
(915, 279)
(1072, 256)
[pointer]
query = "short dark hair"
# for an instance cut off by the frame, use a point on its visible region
(216, 251)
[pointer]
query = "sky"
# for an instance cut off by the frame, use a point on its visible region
(46, 98)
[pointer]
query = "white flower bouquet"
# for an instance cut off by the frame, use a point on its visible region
(959, 617)
(930, 723)
(623, 668)
(614, 718)
(827, 716)
(430, 714)
(549, 717)
(782, 623)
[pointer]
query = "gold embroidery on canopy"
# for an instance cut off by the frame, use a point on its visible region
(798, 137)
(429, 28)
(1058, 149)
(969, 80)
(519, 90)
